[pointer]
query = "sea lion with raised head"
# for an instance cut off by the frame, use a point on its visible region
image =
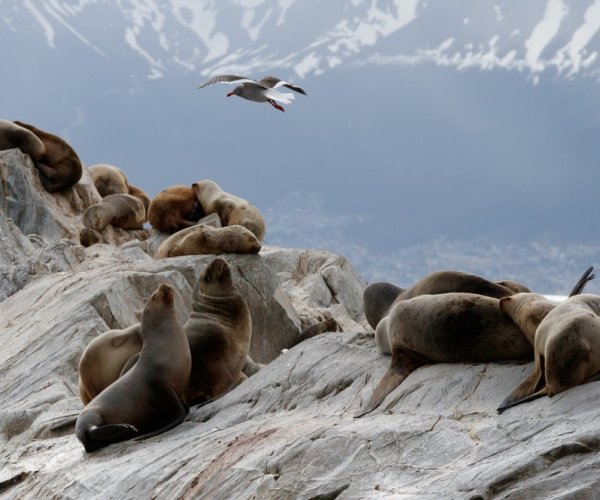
(174, 209)
(14, 136)
(104, 358)
(205, 239)
(232, 210)
(378, 298)
(445, 328)
(119, 210)
(566, 350)
(59, 167)
(150, 397)
(219, 332)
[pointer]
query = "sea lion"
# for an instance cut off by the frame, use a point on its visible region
(109, 179)
(141, 195)
(219, 332)
(205, 239)
(566, 350)
(231, 209)
(446, 328)
(59, 167)
(174, 208)
(14, 136)
(119, 210)
(378, 298)
(104, 358)
(149, 398)
(527, 310)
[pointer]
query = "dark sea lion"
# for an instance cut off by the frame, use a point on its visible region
(378, 298)
(104, 358)
(446, 328)
(174, 208)
(149, 398)
(59, 167)
(205, 239)
(219, 332)
(232, 210)
(14, 136)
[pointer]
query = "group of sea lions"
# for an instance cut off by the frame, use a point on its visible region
(236, 226)
(140, 381)
(449, 316)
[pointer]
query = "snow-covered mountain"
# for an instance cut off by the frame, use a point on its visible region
(313, 36)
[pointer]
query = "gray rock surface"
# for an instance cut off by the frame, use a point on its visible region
(286, 432)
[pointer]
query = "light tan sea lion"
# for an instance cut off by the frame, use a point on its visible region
(219, 332)
(446, 328)
(149, 398)
(567, 350)
(104, 358)
(204, 239)
(119, 210)
(59, 167)
(141, 195)
(527, 310)
(174, 208)
(109, 179)
(378, 298)
(231, 209)
(14, 136)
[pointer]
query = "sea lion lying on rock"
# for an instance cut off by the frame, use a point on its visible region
(59, 167)
(174, 208)
(445, 328)
(232, 210)
(13, 136)
(378, 298)
(205, 239)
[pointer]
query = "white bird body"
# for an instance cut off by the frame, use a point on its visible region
(258, 91)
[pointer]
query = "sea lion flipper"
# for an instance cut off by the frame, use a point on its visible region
(586, 277)
(129, 364)
(182, 411)
(532, 385)
(400, 367)
(113, 433)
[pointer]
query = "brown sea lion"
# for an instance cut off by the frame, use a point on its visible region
(119, 210)
(104, 358)
(149, 398)
(141, 195)
(446, 328)
(174, 208)
(231, 209)
(59, 167)
(219, 332)
(378, 298)
(14, 136)
(205, 239)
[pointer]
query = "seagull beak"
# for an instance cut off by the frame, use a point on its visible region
(229, 94)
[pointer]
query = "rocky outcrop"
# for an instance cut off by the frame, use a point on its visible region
(286, 432)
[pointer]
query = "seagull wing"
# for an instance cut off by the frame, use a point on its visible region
(230, 79)
(273, 82)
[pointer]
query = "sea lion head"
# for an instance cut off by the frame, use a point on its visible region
(164, 296)
(216, 279)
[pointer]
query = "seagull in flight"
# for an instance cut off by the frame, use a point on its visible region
(263, 90)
